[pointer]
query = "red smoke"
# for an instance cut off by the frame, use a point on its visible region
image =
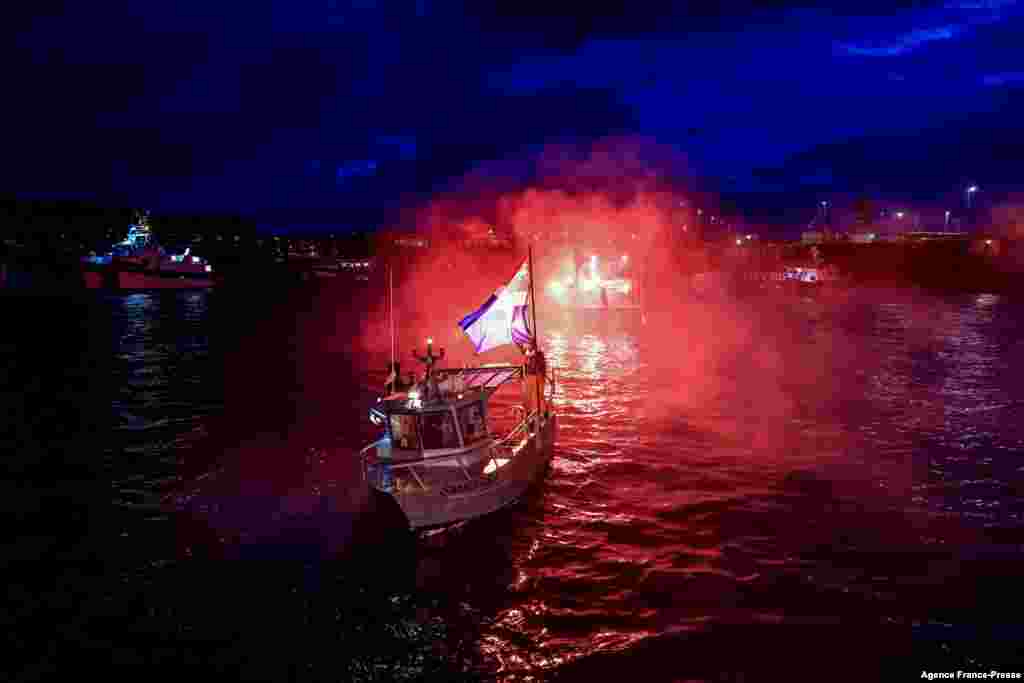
(614, 197)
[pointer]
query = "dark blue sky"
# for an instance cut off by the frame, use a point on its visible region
(307, 111)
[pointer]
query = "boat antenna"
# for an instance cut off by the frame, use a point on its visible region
(536, 333)
(391, 316)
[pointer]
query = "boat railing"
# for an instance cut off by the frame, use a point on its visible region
(504, 444)
(413, 475)
(409, 476)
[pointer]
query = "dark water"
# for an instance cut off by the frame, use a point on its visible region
(809, 488)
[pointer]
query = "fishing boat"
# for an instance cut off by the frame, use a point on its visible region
(440, 457)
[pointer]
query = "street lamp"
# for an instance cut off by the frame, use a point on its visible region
(970, 194)
(946, 223)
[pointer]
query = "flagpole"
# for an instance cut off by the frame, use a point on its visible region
(391, 316)
(536, 332)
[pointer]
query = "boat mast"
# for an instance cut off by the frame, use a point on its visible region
(391, 317)
(536, 332)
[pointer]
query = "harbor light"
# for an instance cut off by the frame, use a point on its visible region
(899, 214)
(739, 241)
(429, 341)
(750, 237)
(970, 196)
(988, 243)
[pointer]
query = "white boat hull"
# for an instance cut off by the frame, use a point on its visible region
(470, 499)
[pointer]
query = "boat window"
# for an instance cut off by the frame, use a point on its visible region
(439, 431)
(471, 419)
(403, 432)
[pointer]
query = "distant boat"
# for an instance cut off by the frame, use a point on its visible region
(597, 286)
(139, 262)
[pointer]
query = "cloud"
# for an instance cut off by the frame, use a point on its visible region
(363, 168)
(1000, 79)
(989, 5)
(404, 146)
(953, 20)
(902, 44)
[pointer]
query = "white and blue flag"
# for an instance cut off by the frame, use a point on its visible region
(503, 318)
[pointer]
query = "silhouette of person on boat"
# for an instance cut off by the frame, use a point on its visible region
(535, 373)
(394, 383)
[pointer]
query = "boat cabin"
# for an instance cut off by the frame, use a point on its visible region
(416, 430)
(452, 419)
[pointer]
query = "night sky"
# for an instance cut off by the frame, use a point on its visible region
(327, 111)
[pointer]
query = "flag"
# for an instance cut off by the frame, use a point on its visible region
(503, 317)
